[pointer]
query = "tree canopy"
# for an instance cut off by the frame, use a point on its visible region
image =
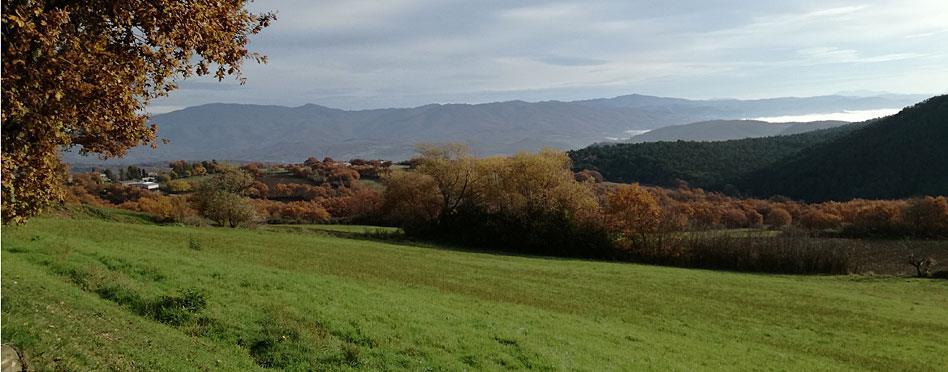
(83, 72)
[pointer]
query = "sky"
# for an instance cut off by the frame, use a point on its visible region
(358, 54)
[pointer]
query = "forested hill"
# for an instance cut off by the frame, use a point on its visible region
(712, 165)
(902, 155)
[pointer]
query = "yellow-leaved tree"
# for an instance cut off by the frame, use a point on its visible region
(632, 212)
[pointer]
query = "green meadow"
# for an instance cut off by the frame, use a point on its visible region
(110, 290)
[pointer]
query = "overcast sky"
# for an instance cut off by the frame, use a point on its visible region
(395, 53)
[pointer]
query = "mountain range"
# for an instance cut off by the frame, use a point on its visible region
(243, 132)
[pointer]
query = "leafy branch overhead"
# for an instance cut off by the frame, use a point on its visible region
(83, 72)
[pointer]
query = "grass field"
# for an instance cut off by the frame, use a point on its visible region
(87, 292)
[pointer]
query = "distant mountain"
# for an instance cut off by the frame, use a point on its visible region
(722, 130)
(898, 156)
(742, 109)
(278, 133)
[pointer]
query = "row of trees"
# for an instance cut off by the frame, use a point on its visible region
(534, 203)
(451, 194)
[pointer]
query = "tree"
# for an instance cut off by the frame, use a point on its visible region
(82, 73)
(778, 218)
(411, 199)
(134, 172)
(226, 209)
(454, 171)
(220, 198)
(927, 216)
(632, 212)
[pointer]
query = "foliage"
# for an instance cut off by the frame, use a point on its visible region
(83, 72)
(221, 199)
(778, 218)
(927, 216)
(893, 157)
(225, 208)
(632, 212)
(713, 165)
(899, 156)
(528, 203)
(411, 199)
(292, 212)
(178, 186)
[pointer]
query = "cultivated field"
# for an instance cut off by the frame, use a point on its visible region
(112, 290)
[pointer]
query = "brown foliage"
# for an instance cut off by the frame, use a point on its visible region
(292, 212)
(778, 218)
(411, 199)
(83, 72)
(816, 219)
(927, 216)
(631, 212)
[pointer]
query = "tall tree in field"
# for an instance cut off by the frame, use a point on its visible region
(83, 72)
(632, 212)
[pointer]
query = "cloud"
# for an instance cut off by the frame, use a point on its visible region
(359, 54)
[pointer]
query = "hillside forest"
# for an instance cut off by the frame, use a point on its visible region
(533, 203)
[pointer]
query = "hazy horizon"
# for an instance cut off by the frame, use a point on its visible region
(161, 109)
(406, 53)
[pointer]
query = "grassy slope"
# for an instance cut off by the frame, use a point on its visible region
(345, 303)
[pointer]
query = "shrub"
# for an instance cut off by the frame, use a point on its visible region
(816, 219)
(927, 217)
(178, 186)
(878, 219)
(786, 254)
(778, 218)
(411, 199)
(175, 309)
(293, 212)
(165, 208)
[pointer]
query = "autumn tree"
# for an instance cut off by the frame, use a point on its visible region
(411, 199)
(453, 170)
(778, 218)
(927, 216)
(632, 212)
(817, 219)
(82, 73)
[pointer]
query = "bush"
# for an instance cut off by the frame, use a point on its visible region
(293, 212)
(927, 217)
(178, 186)
(778, 218)
(816, 219)
(878, 219)
(175, 309)
(786, 254)
(165, 208)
